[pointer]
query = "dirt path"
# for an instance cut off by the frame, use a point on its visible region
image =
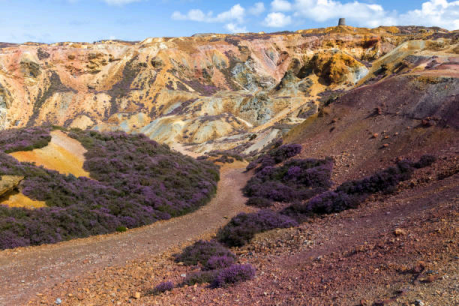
(24, 272)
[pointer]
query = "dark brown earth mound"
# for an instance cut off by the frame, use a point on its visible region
(369, 127)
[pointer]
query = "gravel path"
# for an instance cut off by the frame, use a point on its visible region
(25, 272)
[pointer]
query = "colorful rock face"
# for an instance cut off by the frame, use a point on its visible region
(207, 90)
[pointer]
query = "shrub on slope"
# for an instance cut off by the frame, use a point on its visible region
(276, 156)
(351, 193)
(297, 179)
(242, 228)
(134, 164)
(233, 275)
(138, 182)
(27, 139)
(209, 254)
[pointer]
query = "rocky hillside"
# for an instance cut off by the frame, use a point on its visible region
(209, 91)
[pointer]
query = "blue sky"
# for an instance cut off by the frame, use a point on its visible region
(90, 20)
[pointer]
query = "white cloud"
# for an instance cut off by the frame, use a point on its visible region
(442, 13)
(236, 13)
(257, 9)
(119, 2)
(193, 15)
(323, 10)
(281, 6)
(277, 20)
(234, 28)
(439, 13)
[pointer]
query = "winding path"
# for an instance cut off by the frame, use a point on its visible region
(24, 272)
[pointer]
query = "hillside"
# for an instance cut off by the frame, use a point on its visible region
(122, 181)
(349, 196)
(210, 91)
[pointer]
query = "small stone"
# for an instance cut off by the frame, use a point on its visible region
(137, 295)
(430, 279)
(183, 275)
(385, 145)
(375, 135)
(363, 303)
(399, 232)
(58, 301)
(419, 303)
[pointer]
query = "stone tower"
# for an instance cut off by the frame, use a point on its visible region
(342, 22)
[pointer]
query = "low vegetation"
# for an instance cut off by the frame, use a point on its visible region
(233, 275)
(276, 156)
(135, 181)
(210, 255)
(27, 139)
(351, 193)
(217, 264)
(163, 287)
(297, 179)
(242, 228)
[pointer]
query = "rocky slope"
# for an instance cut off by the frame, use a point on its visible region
(210, 91)
(367, 98)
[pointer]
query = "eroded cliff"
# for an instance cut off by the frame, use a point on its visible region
(208, 91)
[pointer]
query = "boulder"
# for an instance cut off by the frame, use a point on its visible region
(8, 183)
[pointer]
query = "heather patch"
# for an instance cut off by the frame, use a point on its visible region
(233, 275)
(217, 264)
(163, 287)
(27, 139)
(137, 182)
(202, 252)
(259, 202)
(279, 154)
(169, 182)
(200, 277)
(297, 179)
(242, 228)
(351, 193)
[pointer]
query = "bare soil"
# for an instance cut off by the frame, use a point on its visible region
(393, 250)
(63, 154)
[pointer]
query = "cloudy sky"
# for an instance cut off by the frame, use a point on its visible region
(91, 20)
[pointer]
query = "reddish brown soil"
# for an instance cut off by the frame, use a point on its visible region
(393, 250)
(25, 272)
